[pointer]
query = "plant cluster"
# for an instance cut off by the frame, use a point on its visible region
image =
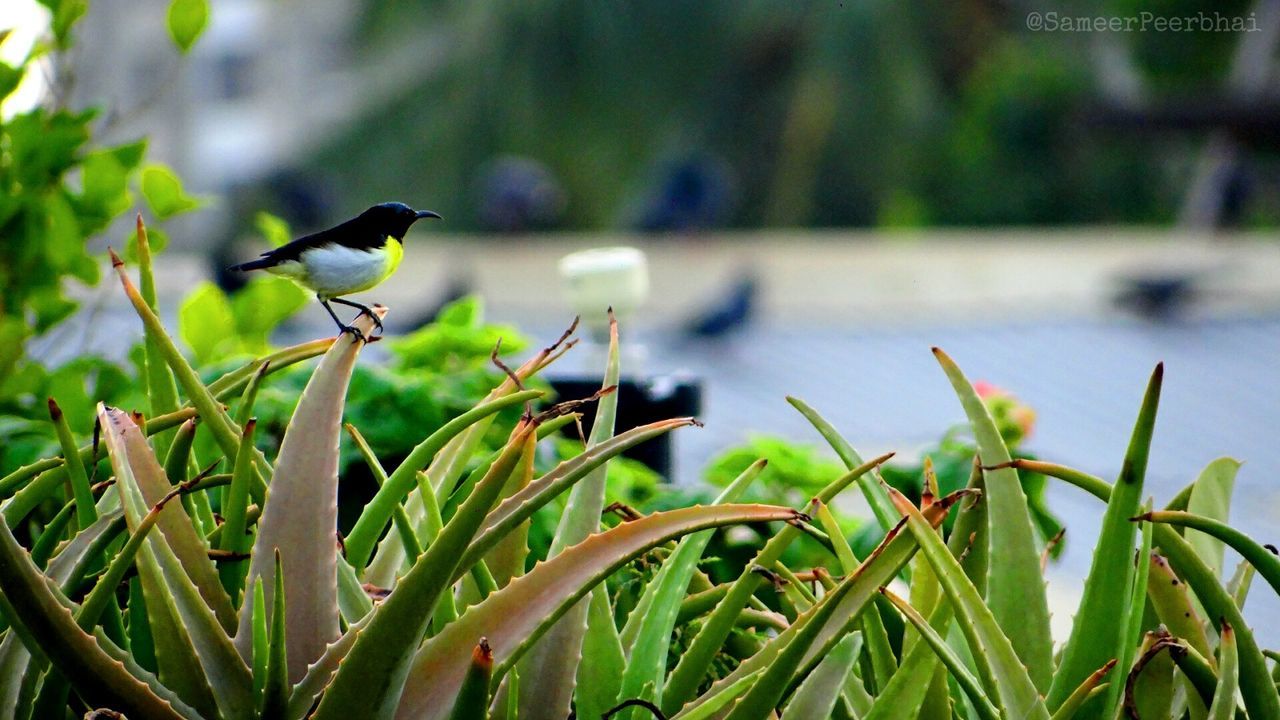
(164, 589)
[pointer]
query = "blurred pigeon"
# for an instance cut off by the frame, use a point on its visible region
(1158, 297)
(727, 312)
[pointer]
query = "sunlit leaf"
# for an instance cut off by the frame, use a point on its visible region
(162, 188)
(206, 322)
(186, 20)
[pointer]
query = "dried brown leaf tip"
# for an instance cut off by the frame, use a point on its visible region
(929, 492)
(483, 654)
(55, 412)
(115, 259)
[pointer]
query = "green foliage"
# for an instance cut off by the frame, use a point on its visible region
(60, 188)
(414, 653)
(186, 20)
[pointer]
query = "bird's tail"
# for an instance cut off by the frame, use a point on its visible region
(258, 264)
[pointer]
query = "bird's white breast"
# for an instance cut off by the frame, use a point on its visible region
(336, 270)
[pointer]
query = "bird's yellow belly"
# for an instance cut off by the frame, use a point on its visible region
(336, 270)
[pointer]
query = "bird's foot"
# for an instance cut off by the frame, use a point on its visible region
(356, 332)
(377, 321)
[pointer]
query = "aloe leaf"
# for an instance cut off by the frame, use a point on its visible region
(1260, 696)
(1135, 613)
(221, 388)
(878, 569)
(868, 483)
(216, 418)
(722, 699)
(370, 680)
(260, 641)
(404, 526)
(507, 558)
(162, 392)
(1098, 631)
(999, 666)
(463, 489)
(303, 697)
(300, 517)
(883, 662)
(175, 525)
(1224, 697)
(516, 616)
(682, 684)
(102, 595)
(647, 663)
(1241, 581)
(1200, 674)
(1262, 559)
(85, 513)
(353, 602)
(551, 667)
(519, 507)
(785, 669)
(45, 622)
(598, 681)
(1015, 586)
(193, 629)
(235, 532)
(1149, 688)
(1069, 707)
(965, 679)
(818, 694)
(52, 534)
(452, 459)
(473, 696)
(275, 694)
(67, 571)
(1211, 498)
(378, 511)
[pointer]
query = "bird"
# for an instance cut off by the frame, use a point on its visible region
(348, 258)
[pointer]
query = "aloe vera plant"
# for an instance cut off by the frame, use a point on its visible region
(166, 587)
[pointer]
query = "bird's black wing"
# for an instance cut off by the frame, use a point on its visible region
(352, 233)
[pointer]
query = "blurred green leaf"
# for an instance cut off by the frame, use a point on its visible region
(10, 77)
(156, 238)
(164, 192)
(262, 305)
(65, 15)
(187, 19)
(273, 228)
(206, 322)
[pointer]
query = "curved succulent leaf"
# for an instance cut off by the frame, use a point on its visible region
(377, 512)
(46, 622)
(550, 669)
(1098, 632)
(1015, 587)
(820, 692)
(519, 507)
(647, 663)
(999, 666)
(204, 660)
(1260, 695)
(935, 642)
(684, 680)
(300, 517)
(513, 618)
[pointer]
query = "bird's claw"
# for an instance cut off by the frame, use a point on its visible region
(377, 321)
(356, 332)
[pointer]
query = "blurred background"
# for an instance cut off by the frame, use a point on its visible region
(821, 192)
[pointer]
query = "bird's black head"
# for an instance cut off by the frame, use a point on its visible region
(394, 218)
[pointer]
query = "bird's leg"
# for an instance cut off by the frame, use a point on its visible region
(364, 310)
(342, 328)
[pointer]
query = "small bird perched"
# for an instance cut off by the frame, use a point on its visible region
(348, 258)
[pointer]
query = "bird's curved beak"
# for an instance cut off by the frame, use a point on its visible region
(428, 214)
